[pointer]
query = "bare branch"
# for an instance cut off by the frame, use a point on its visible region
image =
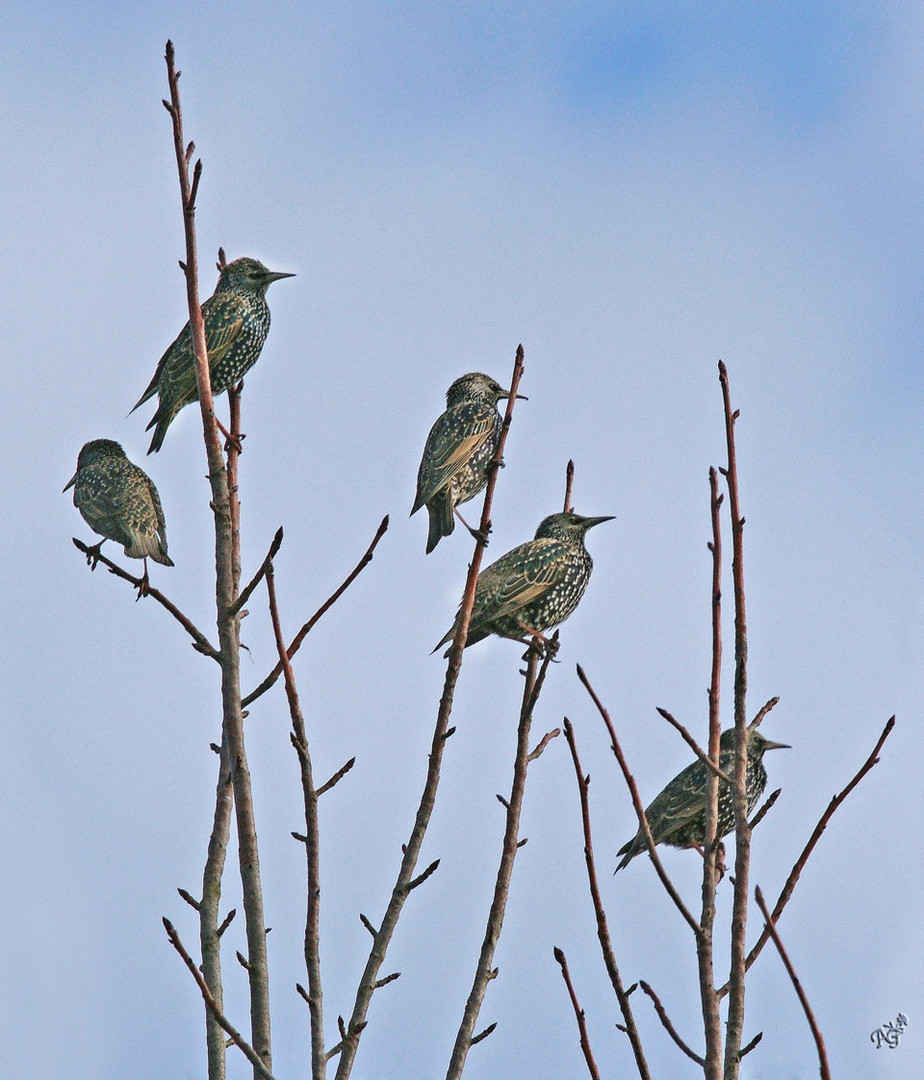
(379, 983)
(803, 1000)
(694, 746)
(668, 1026)
(639, 808)
(482, 1035)
(226, 922)
(368, 925)
(543, 743)
(569, 484)
(200, 642)
(238, 604)
(578, 1013)
(312, 838)
(328, 603)
(799, 866)
(421, 878)
(246, 1049)
(411, 850)
(337, 777)
(484, 971)
(603, 932)
(734, 1027)
(764, 809)
(762, 712)
(193, 903)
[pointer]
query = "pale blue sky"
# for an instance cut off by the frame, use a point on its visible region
(633, 191)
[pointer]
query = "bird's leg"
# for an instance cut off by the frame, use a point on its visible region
(144, 583)
(720, 860)
(230, 440)
(93, 553)
(477, 534)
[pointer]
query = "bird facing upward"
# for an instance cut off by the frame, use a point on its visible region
(534, 586)
(237, 320)
(119, 501)
(461, 443)
(678, 815)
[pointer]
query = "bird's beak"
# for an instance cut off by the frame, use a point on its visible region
(275, 275)
(70, 483)
(517, 397)
(589, 522)
(768, 745)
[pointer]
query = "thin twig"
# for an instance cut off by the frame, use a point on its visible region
(639, 808)
(411, 849)
(535, 677)
(799, 866)
(668, 1026)
(578, 1014)
(694, 746)
(764, 809)
(797, 985)
(734, 1027)
(311, 841)
(233, 1034)
(336, 778)
(603, 931)
(569, 484)
(225, 511)
(328, 603)
(258, 576)
(200, 642)
(762, 712)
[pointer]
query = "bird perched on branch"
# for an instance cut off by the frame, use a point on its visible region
(237, 320)
(678, 815)
(460, 445)
(535, 586)
(119, 501)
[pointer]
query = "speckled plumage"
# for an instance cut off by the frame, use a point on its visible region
(237, 320)
(535, 586)
(463, 440)
(118, 500)
(678, 815)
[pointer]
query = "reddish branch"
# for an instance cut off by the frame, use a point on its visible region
(569, 485)
(799, 866)
(578, 1015)
(411, 850)
(200, 642)
(603, 931)
(639, 808)
(734, 1027)
(225, 509)
(213, 1006)
(668, 1026)
(485, 971)
(328, 603)
(803, 1000)
(311, 840)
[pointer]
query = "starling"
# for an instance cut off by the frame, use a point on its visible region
(118, 501)
(463, 440)
(535, 586)
(237, 321)
(678, 815)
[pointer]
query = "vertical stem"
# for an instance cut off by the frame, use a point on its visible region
(411, 850)
(312, 845)
(712, 1028)
(735, 1023)
(484, 969)
(227, 576)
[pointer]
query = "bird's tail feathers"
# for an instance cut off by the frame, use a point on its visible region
(442, 519)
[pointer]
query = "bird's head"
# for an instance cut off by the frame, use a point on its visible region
(476, 386)
(249, 274)
(569, 527)
(92, 452)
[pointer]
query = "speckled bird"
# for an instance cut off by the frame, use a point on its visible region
(460, 445)
(678, 815)
(237, 320)
(118, 500)
(535, 586)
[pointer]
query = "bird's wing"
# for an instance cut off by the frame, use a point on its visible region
(681, 801)
(103, 510)
(452, 441)
(176, 371)
(517, 578)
